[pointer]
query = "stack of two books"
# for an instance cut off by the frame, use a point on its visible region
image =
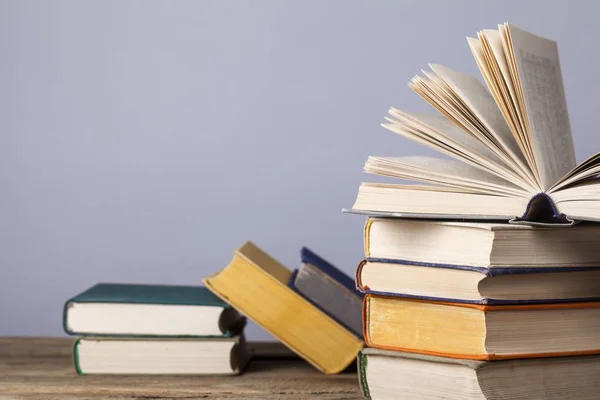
(155, 329)
(480, 310)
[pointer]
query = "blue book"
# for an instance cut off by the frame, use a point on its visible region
(329, 289)
(478, 285)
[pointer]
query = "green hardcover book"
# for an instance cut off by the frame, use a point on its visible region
(116, 309)
(160, 356)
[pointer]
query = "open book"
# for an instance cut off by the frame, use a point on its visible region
(511, 143)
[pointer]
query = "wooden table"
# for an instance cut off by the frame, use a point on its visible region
(32, 368)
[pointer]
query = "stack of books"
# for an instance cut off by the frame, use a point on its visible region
(459, 303)
(158, 329)
(445, 299)
(155, 329)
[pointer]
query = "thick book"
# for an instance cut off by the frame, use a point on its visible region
(397, 375)
(511, 142)
(120, 309)
(330, 289)
(164, 356)
(487, 246)
(257, 285)
(481, 332)
(474, 285)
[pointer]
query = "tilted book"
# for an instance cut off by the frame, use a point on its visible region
(257, 285)
(120, 309)
(513, 153)
(328, 288)
(391, 374)
(481, 332)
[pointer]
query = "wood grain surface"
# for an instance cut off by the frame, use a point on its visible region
(32, 368)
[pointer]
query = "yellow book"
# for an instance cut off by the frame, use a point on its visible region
(481, 332)
(257, 285)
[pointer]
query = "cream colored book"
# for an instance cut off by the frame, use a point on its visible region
(509, 146)
(257, 285)
(399, 375)
(482, 245)
(160, 356)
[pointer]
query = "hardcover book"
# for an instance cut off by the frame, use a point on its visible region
(119, 309)
(329, 289)
(481, 332)
(257, 285)
(512, 147)
(164, 356)
(397, 375)
(479, 285)
(488, 246)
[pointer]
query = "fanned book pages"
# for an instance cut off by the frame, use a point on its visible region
(513, 155)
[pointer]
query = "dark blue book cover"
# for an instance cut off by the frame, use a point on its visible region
(331, 290)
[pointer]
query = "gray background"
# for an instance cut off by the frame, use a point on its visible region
(144, 141)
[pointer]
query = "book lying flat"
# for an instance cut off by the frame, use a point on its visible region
(481, 332)
(164, 356)
(479, 285)
(257, 285)
(119, 309)
(512, 147)
(329, 289)
(396, 375)
(482, 245)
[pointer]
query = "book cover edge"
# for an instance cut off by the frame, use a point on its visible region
(361, 360)
(76, 357)
(488, 308)
(78, 298)
(488, 356)
(488, 271)
(486, 301)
